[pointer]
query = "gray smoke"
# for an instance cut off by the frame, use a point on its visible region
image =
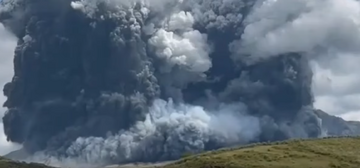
(115, 81)
(167, 132)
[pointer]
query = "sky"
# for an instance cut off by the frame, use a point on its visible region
(7, 46)
(336, 86)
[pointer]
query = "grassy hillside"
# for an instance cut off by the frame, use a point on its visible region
(320, 153)
(316, 153)
(5, 163)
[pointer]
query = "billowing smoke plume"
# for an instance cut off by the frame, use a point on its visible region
(112, 81)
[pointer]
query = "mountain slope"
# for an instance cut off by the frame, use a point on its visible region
(320, 153)
(336, 126)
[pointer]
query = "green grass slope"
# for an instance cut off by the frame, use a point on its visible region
(317, 153)
(6, 163)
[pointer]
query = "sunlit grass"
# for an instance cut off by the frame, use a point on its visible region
(318, 153)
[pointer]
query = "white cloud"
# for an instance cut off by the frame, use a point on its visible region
(7, 46)
(336, 85)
